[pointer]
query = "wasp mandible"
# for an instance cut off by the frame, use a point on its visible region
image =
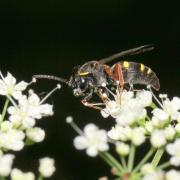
(91, 77)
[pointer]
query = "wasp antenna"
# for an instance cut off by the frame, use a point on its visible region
(138, 50)
(44, 76)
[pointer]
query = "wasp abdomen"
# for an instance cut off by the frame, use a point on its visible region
(137, 73)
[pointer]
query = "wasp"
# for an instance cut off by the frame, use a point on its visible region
(91, 77)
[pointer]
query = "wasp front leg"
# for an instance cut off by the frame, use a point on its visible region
(85, 101)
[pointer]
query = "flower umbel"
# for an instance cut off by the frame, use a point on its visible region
(17, 126)
(139, 121)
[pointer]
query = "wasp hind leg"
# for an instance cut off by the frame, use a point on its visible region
(119, 79)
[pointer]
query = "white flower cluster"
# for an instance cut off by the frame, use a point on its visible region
(138, 120)
(133, 123)
(23, 113)
(158, 175)
(17, 126)
(127, 108)
(46, 169)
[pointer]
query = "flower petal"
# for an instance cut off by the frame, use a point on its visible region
(80, 143)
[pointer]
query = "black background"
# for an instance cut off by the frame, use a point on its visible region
(50, 37)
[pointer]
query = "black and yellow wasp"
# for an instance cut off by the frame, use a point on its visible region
(91, 77)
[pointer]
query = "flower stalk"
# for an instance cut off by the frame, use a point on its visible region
(157, 157)
(40, 177)
(107, 157)
(123, 162)
(2, 178)
(164, 165)
(131, 157)
(144, 160)
(4, 109)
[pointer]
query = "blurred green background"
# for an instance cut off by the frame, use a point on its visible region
(52, 36)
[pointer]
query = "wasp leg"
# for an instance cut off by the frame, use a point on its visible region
(85, 101)
(93, 105)
(103, 96)
(131, 87)
(118, 77)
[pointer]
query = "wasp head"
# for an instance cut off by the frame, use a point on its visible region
(80, 82)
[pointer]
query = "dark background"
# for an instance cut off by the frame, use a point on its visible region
(50, 37)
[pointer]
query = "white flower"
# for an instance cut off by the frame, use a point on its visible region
(6, 126)
(36, 109)
(172, 107)
(170, 133)
(158, 138)
(138, 136)
(126, 108)
(174, 150)
(104, 113)
(6, 161)
(163, 96)
(35, 134)
(12, 139)
(129, 115)
(122, 149)
(147, 169)
(28, 110)
(159, 175)
(46, 166)
(144, 97)
(173, 175)
(112, 108)
(160, 117)
(8, 86)
(19, 116)
(120, 133)
(160, 114)
(93, 140)
(17, 174)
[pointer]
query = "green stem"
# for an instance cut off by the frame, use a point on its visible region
(4, 109)
(164, 165)
(144, 160)
(123, 162)
(157, 157)
(106, 160)
(40, 177)
(131, 157)
(153, 105)
(2, 178)
(111, 160)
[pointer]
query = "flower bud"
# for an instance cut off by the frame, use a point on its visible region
(122, 149)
